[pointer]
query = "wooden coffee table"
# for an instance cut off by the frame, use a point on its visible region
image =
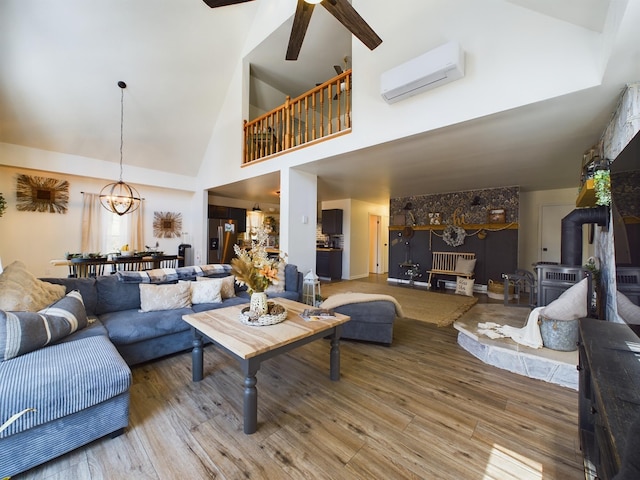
(251, 345)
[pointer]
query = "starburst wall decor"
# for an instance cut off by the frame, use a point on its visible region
(40, 194)
(167, 224)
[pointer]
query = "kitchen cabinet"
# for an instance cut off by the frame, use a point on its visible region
(230, 213)
(329, 263)
(332, 222)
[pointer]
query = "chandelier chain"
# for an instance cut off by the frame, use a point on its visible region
(121, 127)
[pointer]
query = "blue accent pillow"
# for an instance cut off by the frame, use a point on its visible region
(24, 332)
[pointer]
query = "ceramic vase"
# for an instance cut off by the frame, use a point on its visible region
(259, 303)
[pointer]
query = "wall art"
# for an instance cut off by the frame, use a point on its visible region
(40, 194)
(167, 224)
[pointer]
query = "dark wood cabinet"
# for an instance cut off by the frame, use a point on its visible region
(329, 263)
(332, 222)
(609, 394)
(230, 213)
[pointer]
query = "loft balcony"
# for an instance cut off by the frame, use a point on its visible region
(317, 115)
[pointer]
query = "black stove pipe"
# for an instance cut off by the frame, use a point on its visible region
(571, 234)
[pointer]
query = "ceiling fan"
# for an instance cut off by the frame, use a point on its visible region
(341, 9)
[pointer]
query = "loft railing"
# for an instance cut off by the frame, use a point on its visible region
(315, 115)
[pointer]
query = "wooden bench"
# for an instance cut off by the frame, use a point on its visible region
(445, 263)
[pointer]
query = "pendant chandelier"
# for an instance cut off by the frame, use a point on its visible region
(120, 198)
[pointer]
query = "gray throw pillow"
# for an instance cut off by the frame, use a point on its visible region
(24, 332)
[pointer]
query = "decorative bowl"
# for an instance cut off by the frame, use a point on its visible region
(249, 318)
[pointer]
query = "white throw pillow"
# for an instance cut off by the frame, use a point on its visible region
(164, 297)
(627, 310)
(464, 286)
(20, 290)
(464, 265)
(227, 285)
(572, 304)
(204, 292)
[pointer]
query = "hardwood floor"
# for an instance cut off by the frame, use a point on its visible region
(421, 409)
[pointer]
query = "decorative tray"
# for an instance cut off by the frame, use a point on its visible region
(277, 313)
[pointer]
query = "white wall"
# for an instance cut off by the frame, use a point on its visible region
(355, 255)
(531, 204)
(36, 238)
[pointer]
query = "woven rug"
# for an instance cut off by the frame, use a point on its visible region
(440, 308)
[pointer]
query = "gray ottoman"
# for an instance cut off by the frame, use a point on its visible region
(370, 321)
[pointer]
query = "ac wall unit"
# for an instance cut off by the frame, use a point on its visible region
(437, 67)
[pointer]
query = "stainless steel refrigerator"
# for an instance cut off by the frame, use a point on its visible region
(223, 235)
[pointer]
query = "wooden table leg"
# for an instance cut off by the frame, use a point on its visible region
(250, 405)
(334, 356)
(196, 356)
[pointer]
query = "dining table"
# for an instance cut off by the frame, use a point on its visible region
(96, 266)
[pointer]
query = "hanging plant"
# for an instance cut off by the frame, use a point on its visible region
(602, 187)
(3, 204)
(454, 235)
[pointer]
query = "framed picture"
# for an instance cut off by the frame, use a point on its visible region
(167, 224)
(496, 215)
(398, 220)
(41, 194)
(434, 218)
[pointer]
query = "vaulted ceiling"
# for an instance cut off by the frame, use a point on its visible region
(60, 63)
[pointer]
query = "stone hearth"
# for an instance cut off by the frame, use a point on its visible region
(541, 363)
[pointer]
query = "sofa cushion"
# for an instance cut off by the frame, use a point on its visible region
(114, 296)
(20, 290)
(60, 380)
(24, 332)
(131, 326)
(572, 304)
(627, 310)
(164, 297)
(243, 297)
(204, 292)
(227, 285)
(291, 279)
(85, 285)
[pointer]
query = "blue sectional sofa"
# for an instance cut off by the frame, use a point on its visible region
(79, 386)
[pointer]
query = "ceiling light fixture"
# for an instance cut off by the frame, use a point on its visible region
(119, 197)
(313, 2)
(256, 208)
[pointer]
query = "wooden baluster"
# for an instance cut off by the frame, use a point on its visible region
(263, 135)
(347, 101)
(313, 118)
(330, 112)
(340, 97)
(306, 118)
(299, 104)
(269, 137)
(287, 124)
(321, 119)
(245, 149)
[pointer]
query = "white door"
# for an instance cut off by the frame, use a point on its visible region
(550, 231)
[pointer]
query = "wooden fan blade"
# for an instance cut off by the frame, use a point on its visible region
(299, 29)
(347, 15)
(224, 3)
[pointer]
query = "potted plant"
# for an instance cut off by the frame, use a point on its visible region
(602, 187)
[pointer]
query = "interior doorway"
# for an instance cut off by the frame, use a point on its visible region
(375, 244)
(550, 231)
